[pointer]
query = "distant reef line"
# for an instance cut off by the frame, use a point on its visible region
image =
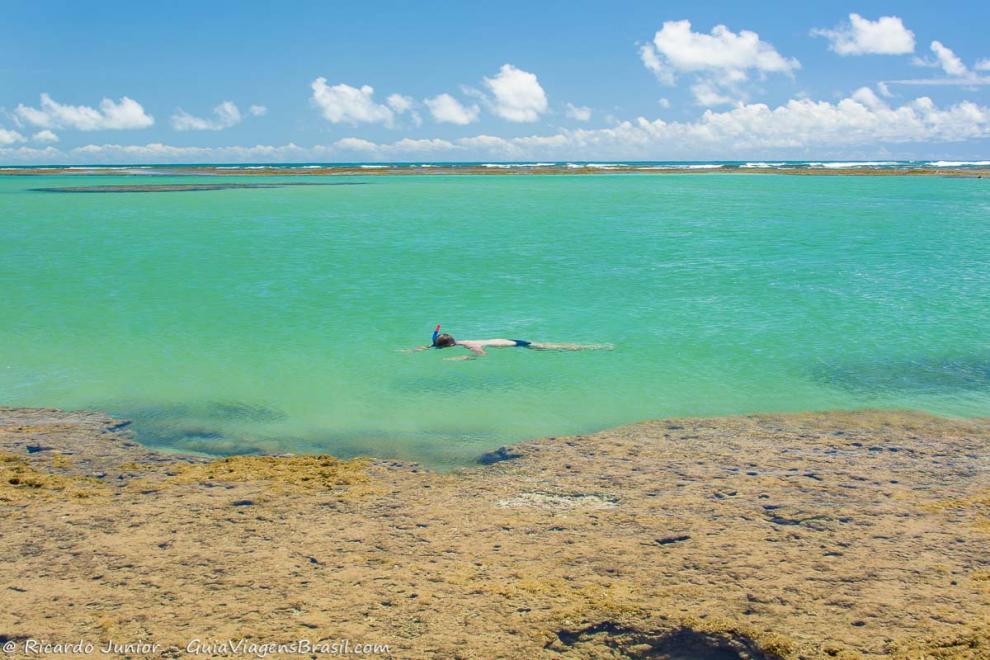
(507, 170)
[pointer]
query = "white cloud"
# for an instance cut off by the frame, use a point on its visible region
(720, 60)
(866, 97)
(648, 54)
(952, 65)
(967, 81)
(518, 94)
(123, 114)
(45, 136)
(884, 90)
(580, 113)
(405, 147)
(32, 155)
(225, 115)
(356, 144)
(404, 104)
(258, 110)
(400, 103)
(490, 144)
(707, 94)
(861, 119)
(345, 104)
(10, 137)
(157, 152)
(446, 109)
(722, 52)
(884, 36)
(948, 60)
(664, 103)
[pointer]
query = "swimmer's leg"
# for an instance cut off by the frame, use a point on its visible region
(542, 346)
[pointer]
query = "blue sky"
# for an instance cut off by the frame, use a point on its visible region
(265, 81)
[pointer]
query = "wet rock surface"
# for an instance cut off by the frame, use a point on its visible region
(772, 536)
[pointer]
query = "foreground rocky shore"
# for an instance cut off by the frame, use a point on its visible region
(772, 536)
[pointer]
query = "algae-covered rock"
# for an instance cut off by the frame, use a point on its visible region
(20, 481)
(301, 472)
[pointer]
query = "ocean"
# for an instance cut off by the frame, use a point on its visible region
(272, 319)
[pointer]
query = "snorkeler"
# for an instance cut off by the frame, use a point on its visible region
(478, 346)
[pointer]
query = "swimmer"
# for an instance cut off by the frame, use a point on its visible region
(477, 346)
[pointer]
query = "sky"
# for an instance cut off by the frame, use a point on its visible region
(225, 81)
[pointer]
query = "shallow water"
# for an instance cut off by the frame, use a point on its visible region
(271, 319)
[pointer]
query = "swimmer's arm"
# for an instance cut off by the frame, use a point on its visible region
(416, 350)
(476, 352)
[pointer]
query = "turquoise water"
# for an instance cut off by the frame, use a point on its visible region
(271, 319)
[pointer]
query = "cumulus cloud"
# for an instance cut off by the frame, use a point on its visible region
(861, 119)
(404, 104)
(32, 155)
(405, 147)
(580, 113)
(157, 152)
(517, 94)
(356, 144)
(446, 109)
(350, 105)
(722, 50)
(45, 136)
(10, 137)
(225, 115)
(400, 103)
(408, 145)
(258, 110)
(707, 94)
(664, 103)
(952, 65)
(721, 60)
(664, 73)
(861, 36)
(868, 98)
(489, 144)
(948, 60)
(111, 115)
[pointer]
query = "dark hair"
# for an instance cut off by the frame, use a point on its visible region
(444, 341)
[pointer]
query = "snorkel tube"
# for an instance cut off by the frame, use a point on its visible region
(436, 333)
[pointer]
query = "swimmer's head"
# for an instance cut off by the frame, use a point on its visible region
(444, 341)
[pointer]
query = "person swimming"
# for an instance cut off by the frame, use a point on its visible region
(477, 346)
